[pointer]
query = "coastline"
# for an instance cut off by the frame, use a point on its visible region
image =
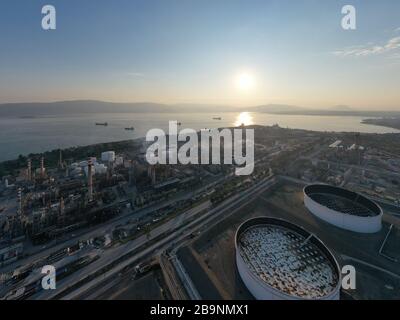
(84, 151)
(78, 152)
(38, 135)
(393, 123)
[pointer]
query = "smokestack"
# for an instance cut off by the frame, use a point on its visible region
(29, 170)
(61, 213)
(19, 200)
(42, 170)
(151, 171)
(60, 161)
(90, 179)
(153, 177)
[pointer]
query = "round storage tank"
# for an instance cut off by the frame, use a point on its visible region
(278, 260)
(343, 208)
(108, 156)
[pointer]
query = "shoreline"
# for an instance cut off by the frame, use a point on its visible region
(85, 151)
(38, 135)
(52, 156)
(392, 123)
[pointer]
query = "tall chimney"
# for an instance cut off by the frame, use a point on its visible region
(60, 161)
(29, 170)
(151, 171)
(42, 167)
(90, 179)
(19, 200)
(61, 220)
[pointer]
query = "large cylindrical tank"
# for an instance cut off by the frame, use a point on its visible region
(278, 260)
(343, 208)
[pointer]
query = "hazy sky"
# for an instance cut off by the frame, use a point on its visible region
(181, 51)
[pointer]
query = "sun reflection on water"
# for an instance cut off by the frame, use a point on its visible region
(244, 118)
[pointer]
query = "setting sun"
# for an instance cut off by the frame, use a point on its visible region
(245, 81)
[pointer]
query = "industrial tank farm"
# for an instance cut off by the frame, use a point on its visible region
(278, 260)
(343, 208)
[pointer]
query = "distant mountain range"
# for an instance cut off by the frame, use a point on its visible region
(76, 107)
(89, 106)
(92, 106)
(279, 109)
(340, 110)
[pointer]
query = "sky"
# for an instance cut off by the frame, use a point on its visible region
(227, 52)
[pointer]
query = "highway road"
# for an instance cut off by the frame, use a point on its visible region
(107, 256)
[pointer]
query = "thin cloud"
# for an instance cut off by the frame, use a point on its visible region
(370, 49)
(395, 56)
(135, 74)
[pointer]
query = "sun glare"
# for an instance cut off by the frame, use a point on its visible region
(245, 81)
(244, 118)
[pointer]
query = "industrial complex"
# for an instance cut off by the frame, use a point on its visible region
(117, 227)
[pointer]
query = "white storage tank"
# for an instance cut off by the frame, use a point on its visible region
(278, 260)
(108, 156)
(343, 208)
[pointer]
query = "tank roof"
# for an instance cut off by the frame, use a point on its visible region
(342, 200)
(287, 258)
